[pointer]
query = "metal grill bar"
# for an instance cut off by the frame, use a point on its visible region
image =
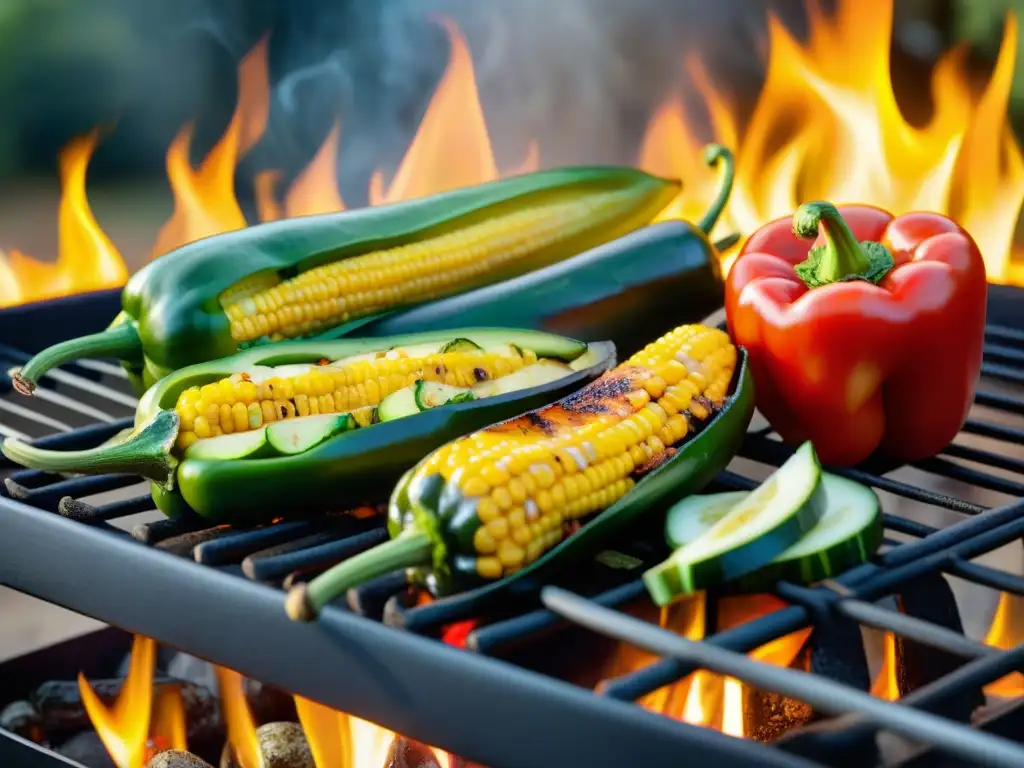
(385, 677)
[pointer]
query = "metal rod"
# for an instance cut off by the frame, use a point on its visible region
(1000, 401)
(983, 574)
(82, 383)
(822, 694)
(31, 415)
(101, 367)
(7, 431)
(913, 628)
(988, 458)
(49, 396)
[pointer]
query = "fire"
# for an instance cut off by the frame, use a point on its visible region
(86, 261)
(144, 721)
(886, 685)
(827, 126)
(1006, 632)
(705, 698)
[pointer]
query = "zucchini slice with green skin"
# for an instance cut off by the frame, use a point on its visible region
(431, 394)
(848, 534)
(460, 345)
(772, 518)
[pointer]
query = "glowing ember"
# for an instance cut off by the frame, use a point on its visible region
(827, 126)
(87, 260)
(124, 728)
(241, 729)
(1006, 632)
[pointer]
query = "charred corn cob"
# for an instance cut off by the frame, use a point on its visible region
(301, 276)
(237, 438)
(492, 502)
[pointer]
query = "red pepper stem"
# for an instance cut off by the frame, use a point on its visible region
(410, 549)
(842, 255)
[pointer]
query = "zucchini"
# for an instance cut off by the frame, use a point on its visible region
(848, 534)
(772, 518)
(430, 394)
(533, 375)
(461, 345)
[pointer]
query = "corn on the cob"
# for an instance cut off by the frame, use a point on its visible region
(530, 479)
(264, 307)
(244, 402)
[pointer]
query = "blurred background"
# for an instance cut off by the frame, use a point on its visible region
(580, 76)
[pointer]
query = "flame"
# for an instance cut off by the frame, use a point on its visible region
(1006, 632)
(124, 727)
(167, 724)
(240, 726)
(204, 197)
(827, 125)
(705, 698)
(87, 260)
(886, 686)
(338, 740)
(451, 148)
(316, 188)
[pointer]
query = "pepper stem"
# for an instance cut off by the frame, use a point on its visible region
(713, 155)
(146, 453)
(409, 549)
(121, 341)
(841, 258)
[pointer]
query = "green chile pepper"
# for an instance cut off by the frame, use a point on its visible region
(210, 298)
(340, 460)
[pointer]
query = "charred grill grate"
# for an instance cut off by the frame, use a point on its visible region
(62, 544)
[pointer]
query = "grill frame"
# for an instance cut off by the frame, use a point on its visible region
(399, 679)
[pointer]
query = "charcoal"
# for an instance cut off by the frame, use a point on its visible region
(406, 753)
(59, 703)
(175, 758)
(22, 719)
(86, 749)
(268, 703)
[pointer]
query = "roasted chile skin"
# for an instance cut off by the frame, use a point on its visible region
(627, 291)
(854, 366)
(173, 303)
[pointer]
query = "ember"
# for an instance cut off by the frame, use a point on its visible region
(817, 117)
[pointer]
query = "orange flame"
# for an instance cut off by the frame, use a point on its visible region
(167, 729)
(204, 198)
(316, 188)
(886, 686)
(705, 698)
(87, 260)
(1006, 632)
(827, 126)
(240, 726)
(451, 148)
(124, 727)
(338, 740)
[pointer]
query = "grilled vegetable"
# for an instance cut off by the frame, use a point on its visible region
(849, 334)
(749, 535)
(298, 277)
(500, 501)
(847, 534)
(628, 291)
(242, 438)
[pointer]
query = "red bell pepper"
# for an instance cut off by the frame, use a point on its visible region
(866, 345)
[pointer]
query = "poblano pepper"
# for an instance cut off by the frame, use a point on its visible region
(299, 277)
(504, 503)
(312, 426)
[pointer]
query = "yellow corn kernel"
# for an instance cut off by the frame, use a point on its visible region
(449, 263)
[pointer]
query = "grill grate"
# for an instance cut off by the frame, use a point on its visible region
(66, 544)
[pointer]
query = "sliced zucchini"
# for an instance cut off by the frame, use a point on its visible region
(599, 351)
(505, 350)
(691, 517)
(533, 375)
(461, 345)
(292, 436)
(772, 518)
(240, 445)
(398, 405)
(430, 394)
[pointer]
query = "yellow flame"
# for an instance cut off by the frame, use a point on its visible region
(124, 727)
(451, 148)
(1006, 632)
(886, 686)
(87, 260)
(316, 188)
(240, 726)
(827, 125)
(167, 728)
(204, 197)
